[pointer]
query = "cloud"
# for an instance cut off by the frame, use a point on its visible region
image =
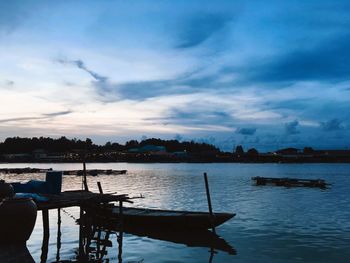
(199, 28)
(14, 13)
(332, 125)
(101, 83)
(60, 113)
(20, 119)
(40, 117)
(291, 127)
(327, 61)
(10, 83)
(246, 131)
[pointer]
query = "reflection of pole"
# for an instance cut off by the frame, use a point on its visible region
(120, 236)
(209, 201)
(46, 236)
(58, 234)
(212, 252)
(81, 236)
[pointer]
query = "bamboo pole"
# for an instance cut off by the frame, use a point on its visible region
(86, 188)
(209, 202)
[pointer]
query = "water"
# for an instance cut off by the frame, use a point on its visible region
(273, 224)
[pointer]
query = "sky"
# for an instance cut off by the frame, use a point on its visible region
(263, 74)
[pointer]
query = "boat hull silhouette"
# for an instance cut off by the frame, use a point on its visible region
(155, 218)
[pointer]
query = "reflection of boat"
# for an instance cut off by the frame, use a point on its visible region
(153, 218)
(18, 252)
(189, 237)
(197, 238)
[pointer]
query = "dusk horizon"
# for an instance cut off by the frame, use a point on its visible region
(264, 75)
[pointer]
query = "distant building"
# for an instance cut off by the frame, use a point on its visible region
(148, 149)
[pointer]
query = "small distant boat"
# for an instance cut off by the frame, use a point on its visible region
(291, 182)
(154, 218)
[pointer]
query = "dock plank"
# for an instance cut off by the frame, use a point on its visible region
(78, 198)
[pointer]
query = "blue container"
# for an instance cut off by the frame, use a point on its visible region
(38, 187)
(22, 188)
(54, 182)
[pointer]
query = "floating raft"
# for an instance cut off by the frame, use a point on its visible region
(91, 172)
(24, 170)
(291, 182)
(94, 172)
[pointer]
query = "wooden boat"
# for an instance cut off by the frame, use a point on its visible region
(290, 182)
(166, 219)
(190, 238)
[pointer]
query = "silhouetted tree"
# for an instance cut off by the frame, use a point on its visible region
(308, 150)
(239, 150)
(252, 152)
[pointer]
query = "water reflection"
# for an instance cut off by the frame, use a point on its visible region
(97, 235)
(15, 253)
(99, 232)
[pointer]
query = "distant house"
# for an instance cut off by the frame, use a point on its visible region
(17, 156)
(43, 155)
(148, 149)
(39, 154)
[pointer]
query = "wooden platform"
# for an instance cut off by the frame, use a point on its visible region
(79, 198)
(291, 182)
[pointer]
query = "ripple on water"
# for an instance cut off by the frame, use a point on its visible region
(273, 224)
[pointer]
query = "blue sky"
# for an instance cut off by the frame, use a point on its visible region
(264, 74)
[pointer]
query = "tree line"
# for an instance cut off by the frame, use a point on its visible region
(28, 145)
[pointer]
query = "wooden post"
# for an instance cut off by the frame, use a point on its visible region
(209, 201)
(58, 234)
(86, 188)
(46, 235)
(99, 187)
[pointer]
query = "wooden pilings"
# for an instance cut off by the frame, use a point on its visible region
(46, 235)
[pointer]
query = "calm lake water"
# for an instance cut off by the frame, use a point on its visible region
(273, 224)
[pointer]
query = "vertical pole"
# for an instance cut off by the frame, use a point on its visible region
(46, 236)
(99, 187)
(209, 201)
(86, 188)
(58, 234)
(120, 237)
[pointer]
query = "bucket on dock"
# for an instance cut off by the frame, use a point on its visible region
(54, 182)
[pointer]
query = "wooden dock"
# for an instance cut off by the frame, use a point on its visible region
(291, 182)
(82, 199)
(79, 198)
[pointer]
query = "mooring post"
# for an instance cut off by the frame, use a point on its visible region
(120, 236)
(46, 235)
(209, 202)
(86, 188)
(99, 187)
